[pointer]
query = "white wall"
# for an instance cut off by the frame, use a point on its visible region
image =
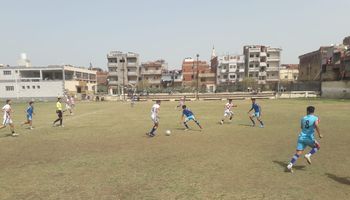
(336, 89)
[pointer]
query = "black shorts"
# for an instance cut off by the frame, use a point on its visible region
(59, 113)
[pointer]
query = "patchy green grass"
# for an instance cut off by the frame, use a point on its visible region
(102, 153)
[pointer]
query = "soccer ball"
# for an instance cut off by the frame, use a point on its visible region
(167, 132)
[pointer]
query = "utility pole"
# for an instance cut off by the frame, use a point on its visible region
(197, 97)
(123, 65)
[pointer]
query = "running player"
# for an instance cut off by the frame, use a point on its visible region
(189, 116)
(30, 112)
(257, 113)
(228, 112)
(155, 118)
(68, 105)
(181, 102)
(59, 113)
(307, 137)
(7, 118)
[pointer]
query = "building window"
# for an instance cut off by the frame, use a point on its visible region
(251, 55)
(33, 86)
(251, 65)
(285, 77)
(268, 55)
(38, 86)
(232, 76)
(268, 65)
(10, 88)
(28, 87)
(6, 72)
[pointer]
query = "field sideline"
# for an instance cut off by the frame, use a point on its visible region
(103, 153)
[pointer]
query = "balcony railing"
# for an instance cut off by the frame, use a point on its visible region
(112, 64)
(254, 49)
(273, 59)
(132, 74)
(112, 73)
(272, 69)
(261, 81)
(151, 72)
(262, 74)
(263, 54)
(206, 75)
(263, 64)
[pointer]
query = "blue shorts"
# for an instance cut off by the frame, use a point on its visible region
(303, 143)
(29, 117)
(190, 118)
(256, 114)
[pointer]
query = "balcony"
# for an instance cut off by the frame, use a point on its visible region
(150, 72)
(273, 59)
(112, 73)
(263, 64)
(254, 49)
(223, 71)
(255, 59)
(263, 54)
(131, 64)
(112, 64)
(132, 81)
(222, 80)
(206, 75)
(261, 81)
(132, 73)
(270, 69)
(113, 83)
(241, 70)
(262, 74)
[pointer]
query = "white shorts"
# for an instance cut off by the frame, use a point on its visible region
(68, 107)
(7, 121)
(155, 119)
(228, 113)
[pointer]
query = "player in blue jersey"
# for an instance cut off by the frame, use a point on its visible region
(257, 113)
(309, 124)
(189, 116)
(30, 112)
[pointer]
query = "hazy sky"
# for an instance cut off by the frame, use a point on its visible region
(80, 31)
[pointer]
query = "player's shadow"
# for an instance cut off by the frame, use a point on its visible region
(284, 165)
(249, 125)
(342, 180)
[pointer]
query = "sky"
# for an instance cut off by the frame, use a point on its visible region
(78, 32)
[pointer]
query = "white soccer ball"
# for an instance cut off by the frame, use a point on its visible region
(167, 132)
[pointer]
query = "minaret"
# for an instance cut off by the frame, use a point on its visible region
(213, 53)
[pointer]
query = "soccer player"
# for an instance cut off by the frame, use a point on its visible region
(68, 105)
(257, 113)
(307, 137)
(189, 116)
(72, 102)
(30, 112)
(155, 118)
(7, 118)
(181, 102)
(228, 112)
(59, 113)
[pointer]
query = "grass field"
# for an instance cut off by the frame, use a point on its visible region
(103, 153)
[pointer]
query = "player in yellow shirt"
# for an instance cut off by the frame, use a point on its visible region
(59, 113)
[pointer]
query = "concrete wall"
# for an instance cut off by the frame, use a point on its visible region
(45, 89)
(336, 89)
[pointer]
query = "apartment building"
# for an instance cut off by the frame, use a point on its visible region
(262, 63)
(198, 73)
(289, 72)
(46, 82)
(123, 71)
(230, 69)
(172, 78)
(151, 73)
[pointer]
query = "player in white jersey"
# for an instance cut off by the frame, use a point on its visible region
(68, 105)
(155, 118)
(228, 110)
(7, 118)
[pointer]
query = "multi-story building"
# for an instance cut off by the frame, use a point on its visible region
(328, 63)
(262, 63)
(46, 82)
(289, 72)
(230, 69)
(198, 73)
(151, 73)
(310, 64)
(172, 78)
(124, 71)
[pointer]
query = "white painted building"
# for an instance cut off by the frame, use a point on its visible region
(46, 82)
(230, 69)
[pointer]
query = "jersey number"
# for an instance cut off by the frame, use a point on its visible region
(307, 124)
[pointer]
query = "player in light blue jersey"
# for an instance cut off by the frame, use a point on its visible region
(309, 124)
(189, 116)
(257, 113)
(29, 113)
